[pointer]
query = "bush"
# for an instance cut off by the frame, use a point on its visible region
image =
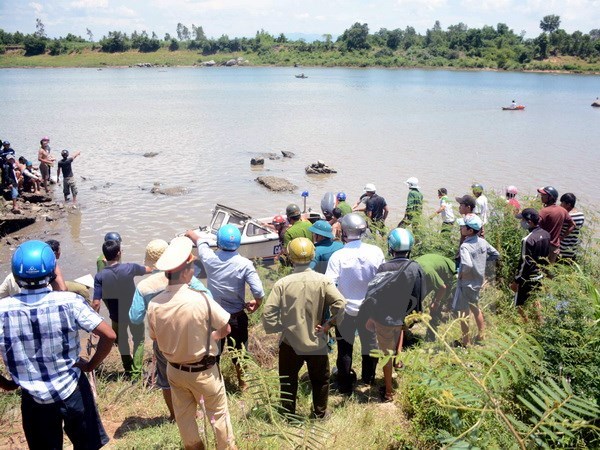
(57, 47)
(34, 46)
(149, 45)
(173, 45)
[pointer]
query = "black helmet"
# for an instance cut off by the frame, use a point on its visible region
(292, 211)
(549, 190)
(112, 236)
(64, 153)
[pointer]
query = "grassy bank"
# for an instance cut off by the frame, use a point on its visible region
(527, 386)
(85, 56)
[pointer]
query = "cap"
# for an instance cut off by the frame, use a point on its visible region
(154, 251)
(6, 143)
(176, 254)
(322, 228)
(370, 187)
(467, 200)
(413, 182)
(472, 221)
(45, 138)
(529, 214)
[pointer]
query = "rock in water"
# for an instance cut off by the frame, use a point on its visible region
(172, 191)
(287, 154)
(319, 167)
(150, 154)
(276, 184)
(257, 161)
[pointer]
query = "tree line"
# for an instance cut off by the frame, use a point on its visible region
(499, 45)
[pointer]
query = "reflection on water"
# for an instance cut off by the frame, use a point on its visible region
(380, 126)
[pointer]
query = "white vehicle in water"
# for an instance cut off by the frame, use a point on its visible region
(259, 238)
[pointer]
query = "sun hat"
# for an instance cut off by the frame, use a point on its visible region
(467, 200)
(472, 221)
(154, 251)
(178, 253)
(370, 187)
(322, 228)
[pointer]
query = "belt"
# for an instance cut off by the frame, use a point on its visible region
(204, 364)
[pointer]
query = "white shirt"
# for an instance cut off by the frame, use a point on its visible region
(447, 213)
(352, 268)
(481, 208)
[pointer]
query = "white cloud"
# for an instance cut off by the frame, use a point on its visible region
(89, 4)
(302, 16)
(123, 11)
(37, 7)
(426, 4)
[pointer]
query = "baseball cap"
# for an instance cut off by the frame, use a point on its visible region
(176, 254)
(370, 187)
(466, 200)
(6, 143)
(322, 228)
(154, 251)
(472, 221)
(529, 214)
(45, 138)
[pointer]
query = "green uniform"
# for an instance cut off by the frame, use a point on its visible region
(299, 229)
(344, 207)
(414, 204)
(439, 271)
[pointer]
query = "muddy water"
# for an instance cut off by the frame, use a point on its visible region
(379, 126)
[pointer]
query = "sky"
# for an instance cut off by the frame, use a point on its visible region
(238, 18)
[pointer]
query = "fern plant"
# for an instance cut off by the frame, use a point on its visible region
(484, 384)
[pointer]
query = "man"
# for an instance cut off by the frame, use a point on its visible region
(535, 248)
(4, 153)
(297, 228)
(570, 243)
(466, 205)
(12, 182)
(414, 202)
(115, 285)
(187, 325)
(46, 161)
(69, 180)
(344, 206)
(396, 291)
(445, 210)
(351, 269)
(325, 246)
(101, 260)
(481, 205)
(145, 291)
(511, 198)
(296, 308)
(227, 274)
(376, 206)
(555, 220)
(440, 276)
(39, 343)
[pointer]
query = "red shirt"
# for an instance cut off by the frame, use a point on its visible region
(552, 218)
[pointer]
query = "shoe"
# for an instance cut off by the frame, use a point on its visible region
(385, 398)
(457, 344)
(15, 211)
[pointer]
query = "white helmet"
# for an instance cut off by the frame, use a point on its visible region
(353, 226)
(413, 182)
(370, 187)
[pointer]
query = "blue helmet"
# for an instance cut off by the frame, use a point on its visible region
(33, 264)
(229, 237)
(400, 240)
(341, 196)
(112, 236)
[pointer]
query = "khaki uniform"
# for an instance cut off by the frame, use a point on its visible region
(178, 319)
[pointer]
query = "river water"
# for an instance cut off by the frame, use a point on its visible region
(372, 125)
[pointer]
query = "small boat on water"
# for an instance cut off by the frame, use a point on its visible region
(259, 238)
(516, 108)
(301, 76)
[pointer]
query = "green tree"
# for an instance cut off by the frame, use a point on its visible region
(40, 30)
(90, 34)
(174, 45)
(116, 41)
(34, 45)
(550, 23)
(355, 37)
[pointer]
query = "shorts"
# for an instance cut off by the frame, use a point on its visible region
(14, 193)
(45, 171)
(464, 297)
(161, 368)
(43, 423)
(525, 290)
(387, 337)
(69, 186)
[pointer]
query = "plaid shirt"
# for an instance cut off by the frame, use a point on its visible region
(39, 340)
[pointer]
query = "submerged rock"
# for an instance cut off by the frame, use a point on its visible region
(276, 184)
(287, 154)
(150, 154)
(319, 167)
(257, 161)
(172, 191)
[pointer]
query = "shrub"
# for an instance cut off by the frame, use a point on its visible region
(34, 46)
(173, 45)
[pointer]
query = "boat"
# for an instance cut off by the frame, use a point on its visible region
(259, 238)
(516, 108)
(301, 76)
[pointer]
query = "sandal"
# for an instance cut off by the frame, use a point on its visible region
(385, 398)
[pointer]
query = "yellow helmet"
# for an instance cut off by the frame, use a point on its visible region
(301, 250)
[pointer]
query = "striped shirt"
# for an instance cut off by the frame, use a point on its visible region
(569, 244)
(39, 340)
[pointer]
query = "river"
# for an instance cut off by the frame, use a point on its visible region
(372, 125)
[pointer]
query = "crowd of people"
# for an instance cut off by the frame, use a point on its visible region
(339, 283)
(22, 175)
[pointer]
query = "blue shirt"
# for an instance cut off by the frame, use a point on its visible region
(149, 288)
(39, 340)
(227, 274)
(323, 251)
(114, 284)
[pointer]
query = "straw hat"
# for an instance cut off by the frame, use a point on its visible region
(154, 250)
(176, 255)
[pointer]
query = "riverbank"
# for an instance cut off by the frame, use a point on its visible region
(91, 58)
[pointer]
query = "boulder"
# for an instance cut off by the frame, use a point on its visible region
(257, 161)
(210, 63)
(319, 167)
(276, 184)
(231, 62)
(150, 154)
(172, 191)
(596, 104)
(287, 154)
